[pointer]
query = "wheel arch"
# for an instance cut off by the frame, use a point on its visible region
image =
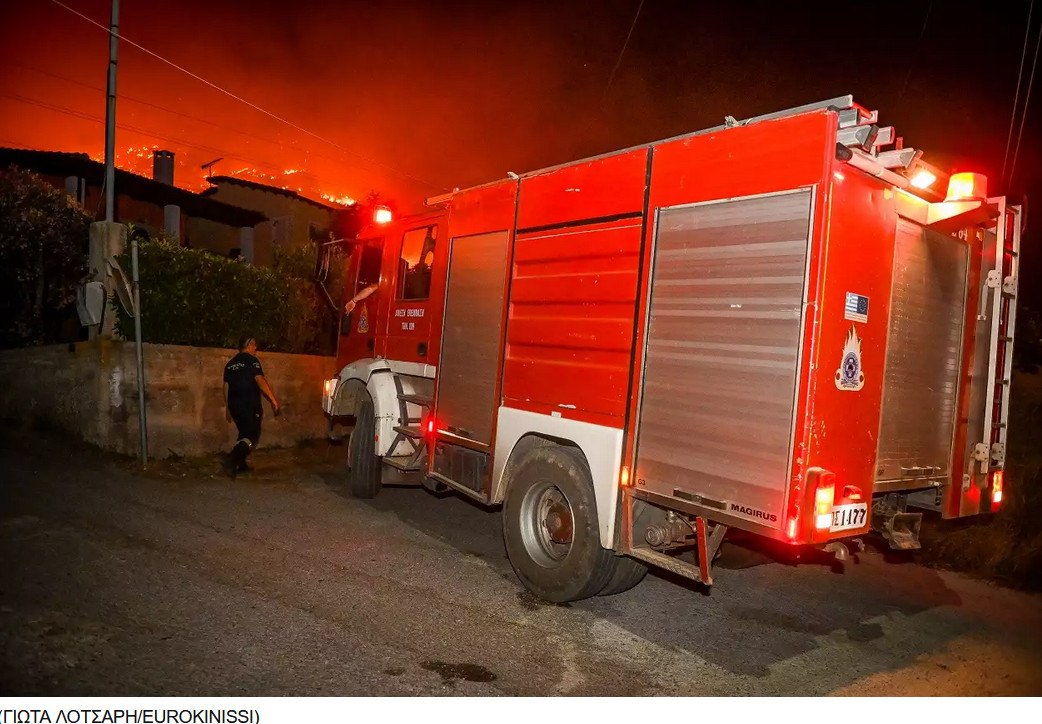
(377, 378)
(518, 432)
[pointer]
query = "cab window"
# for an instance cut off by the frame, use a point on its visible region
(414, 265)
(368, 273)
(369, 267)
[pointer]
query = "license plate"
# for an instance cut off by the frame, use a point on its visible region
(845, 517)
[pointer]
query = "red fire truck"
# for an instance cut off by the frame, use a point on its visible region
(790, 326)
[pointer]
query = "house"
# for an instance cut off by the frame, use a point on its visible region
(292, 220)
(152, 205)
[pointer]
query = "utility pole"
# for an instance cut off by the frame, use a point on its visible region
(110, 118)
(110, 217)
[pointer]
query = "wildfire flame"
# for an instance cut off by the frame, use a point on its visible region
(343, 200)
(138, 160)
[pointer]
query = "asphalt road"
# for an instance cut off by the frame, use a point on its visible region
(176, 582)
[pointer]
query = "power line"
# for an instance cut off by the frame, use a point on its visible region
(128, 127)
(191, 117)
(152, 134)
(1024, 112)
(915, 56)
(625, 44)
(52, 107)
(125, 126)
(251, 104)
(1016, 96)
(140, 101)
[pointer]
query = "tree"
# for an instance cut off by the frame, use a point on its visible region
(44, 242)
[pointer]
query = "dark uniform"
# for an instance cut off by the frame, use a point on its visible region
(244, 402)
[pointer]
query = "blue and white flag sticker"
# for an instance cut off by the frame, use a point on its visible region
(856, 308)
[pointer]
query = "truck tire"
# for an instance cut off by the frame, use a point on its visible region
(363, 474)
(550, 527)
(626, 573)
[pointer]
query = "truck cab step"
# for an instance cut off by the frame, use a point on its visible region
(413, 431)
(407, 464)
(421, 400)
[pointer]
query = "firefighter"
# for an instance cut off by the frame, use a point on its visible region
(244, 383)
(364, 294)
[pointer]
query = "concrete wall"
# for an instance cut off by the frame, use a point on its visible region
(90, 390)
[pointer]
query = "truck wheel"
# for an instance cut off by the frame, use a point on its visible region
(550, 527)
(626, 573)
(363, 474)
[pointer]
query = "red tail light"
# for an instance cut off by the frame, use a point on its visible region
(429, 427)
(792, 530)
(852, 493)
(824, 497)
(996, 488)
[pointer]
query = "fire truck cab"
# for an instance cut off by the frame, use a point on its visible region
(790, 326)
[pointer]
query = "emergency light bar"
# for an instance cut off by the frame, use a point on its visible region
(967, 187)
(923, 179)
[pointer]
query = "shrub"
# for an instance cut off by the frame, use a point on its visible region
(44, 237)
(193, 297)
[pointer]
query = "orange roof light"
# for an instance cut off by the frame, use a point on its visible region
(967, 186)
(382, 215)
(624, 476)
(923, 179)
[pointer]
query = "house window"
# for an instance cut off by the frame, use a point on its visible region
(414, 266)
(282, 230)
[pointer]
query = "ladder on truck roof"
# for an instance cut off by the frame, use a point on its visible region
(1001, 283)
(856, 125)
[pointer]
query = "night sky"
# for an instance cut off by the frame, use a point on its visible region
(422, 97)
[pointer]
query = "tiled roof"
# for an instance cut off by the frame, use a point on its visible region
(140, 188)
(216, 180)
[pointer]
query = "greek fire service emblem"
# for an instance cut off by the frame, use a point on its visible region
(849, 376)
(363, 319)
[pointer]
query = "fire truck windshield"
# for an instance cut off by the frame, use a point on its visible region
(417, 258)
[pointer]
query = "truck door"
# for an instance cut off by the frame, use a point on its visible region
(972, 349)
(358, 329)
(983, 447)
(418, 272)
